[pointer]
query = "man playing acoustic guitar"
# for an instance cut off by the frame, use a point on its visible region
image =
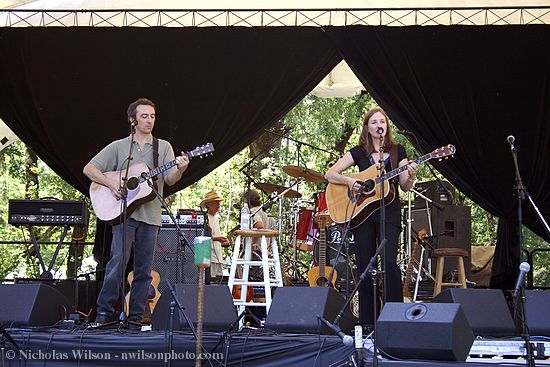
(142, 225)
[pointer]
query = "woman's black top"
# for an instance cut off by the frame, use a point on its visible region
(393, 210)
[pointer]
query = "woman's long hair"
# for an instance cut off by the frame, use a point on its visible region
(365, 139)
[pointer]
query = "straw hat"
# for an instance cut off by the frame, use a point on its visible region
(210, 197)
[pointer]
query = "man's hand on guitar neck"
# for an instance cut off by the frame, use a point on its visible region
(182, 162)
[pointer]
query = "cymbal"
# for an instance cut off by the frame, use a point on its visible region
(270, 188)
(308, 174)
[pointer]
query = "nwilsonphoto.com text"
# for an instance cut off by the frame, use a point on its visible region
(86, 354)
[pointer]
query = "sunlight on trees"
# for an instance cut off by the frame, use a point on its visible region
(317, 132)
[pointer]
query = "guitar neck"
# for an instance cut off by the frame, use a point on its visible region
(160, 169)
(397, 171)
(157, 171)
(322, 248)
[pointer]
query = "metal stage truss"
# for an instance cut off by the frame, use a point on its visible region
(276, 17)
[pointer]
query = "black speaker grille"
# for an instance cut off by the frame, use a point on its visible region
(451, 227)
(174, 261)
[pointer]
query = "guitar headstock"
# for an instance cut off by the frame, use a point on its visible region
(322, 219)
(201, 151)
(443, 152)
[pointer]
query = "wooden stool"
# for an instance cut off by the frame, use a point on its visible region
(269, 260)
(441, 254)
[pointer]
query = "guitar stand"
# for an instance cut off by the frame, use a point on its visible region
(47, 272)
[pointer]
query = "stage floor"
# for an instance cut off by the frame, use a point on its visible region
(124, 347)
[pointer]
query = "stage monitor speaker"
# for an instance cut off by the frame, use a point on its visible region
(81, 299)
(218, 310)
(432, 331)
(538, 312)
(295, 309)
(175, 262)
(451, 227)
(33, 304)
(486, 310)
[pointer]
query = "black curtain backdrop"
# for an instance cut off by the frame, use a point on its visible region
(470, 86)
(65, 90)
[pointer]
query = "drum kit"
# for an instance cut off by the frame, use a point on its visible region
(302, 232)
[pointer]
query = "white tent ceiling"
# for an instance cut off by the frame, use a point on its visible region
(255, 4)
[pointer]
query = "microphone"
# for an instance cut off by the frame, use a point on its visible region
(523, 270)
(346, 339)
(511, 140)
(380, 130)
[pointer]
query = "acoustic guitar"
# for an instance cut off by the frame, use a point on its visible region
(153, 295)
(108, 207)
(340, 199)
(318, 275)
(413, 260)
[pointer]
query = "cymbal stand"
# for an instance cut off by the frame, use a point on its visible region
(274, 196)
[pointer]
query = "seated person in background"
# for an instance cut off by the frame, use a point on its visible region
(258, 218)
(212, 203)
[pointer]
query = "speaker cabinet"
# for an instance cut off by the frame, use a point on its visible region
(486, 310)
(440, 192)
(433, 331)
(295, 309)
(538, 312)
(173, 261)
(33, 304)
(218, 310)
(82, 294)
(451, 227)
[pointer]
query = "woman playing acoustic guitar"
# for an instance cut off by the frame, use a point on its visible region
(366, 231)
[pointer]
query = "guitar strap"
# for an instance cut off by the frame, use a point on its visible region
(155, 155)
(393, 157)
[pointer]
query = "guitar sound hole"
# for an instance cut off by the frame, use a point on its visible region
(369, 185)
(132, 183)
(321, 282)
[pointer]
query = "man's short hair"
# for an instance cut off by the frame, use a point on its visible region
(132, 108)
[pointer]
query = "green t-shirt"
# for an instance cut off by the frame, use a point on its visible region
(113, 158)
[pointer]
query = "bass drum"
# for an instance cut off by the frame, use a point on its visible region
(334, 237)
(305, 232)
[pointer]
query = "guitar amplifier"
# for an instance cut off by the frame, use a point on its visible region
(174, 261)
(47, 212)
(184, 218)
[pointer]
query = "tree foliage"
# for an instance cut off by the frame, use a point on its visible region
(313, 135)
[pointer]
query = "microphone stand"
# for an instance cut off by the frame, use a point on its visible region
(181, 237)
(226, 338)
(372, 270)
(382, 235)
(124, 193)
(520, 301)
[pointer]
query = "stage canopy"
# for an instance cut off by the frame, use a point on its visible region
(65, 87)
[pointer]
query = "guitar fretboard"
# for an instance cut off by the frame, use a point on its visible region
(157, 171)
(397, 171)
(322, 249)
(198, 152)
